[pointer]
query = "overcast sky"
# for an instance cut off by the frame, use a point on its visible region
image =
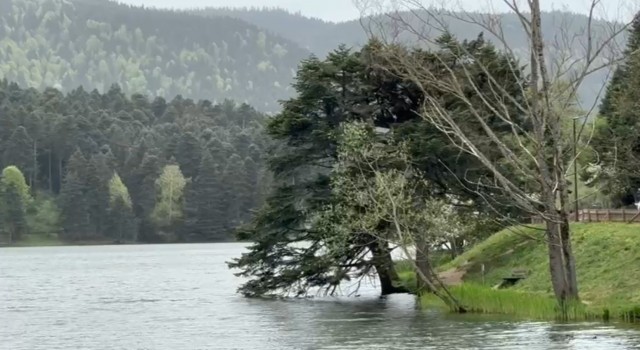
(340, 10)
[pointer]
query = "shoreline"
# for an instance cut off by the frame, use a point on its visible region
(608, 278)
(41, 242)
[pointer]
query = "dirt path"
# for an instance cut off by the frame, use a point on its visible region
(452, 277)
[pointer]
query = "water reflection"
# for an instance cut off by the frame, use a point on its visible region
(183, 297)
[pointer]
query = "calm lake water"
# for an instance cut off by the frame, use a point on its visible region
(177, 297)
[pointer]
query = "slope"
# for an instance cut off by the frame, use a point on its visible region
(95, 43)
(607, 258)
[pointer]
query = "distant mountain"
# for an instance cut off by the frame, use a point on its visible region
(321, 37)
(313, 34)
(96, 43)
(248, 55)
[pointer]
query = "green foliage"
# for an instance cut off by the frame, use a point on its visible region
(95, 43)
(524, 305)
(287, 254)
(14, 221)
(15, 198)
(74, 204)
(13, 178)
(118, 192)
(168, 211)
(303, 206)
(616, 140)
(81, 139)
(43, 218)
(19, 150)
(122, 223)
(206, 203)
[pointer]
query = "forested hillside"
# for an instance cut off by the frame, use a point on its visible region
(95, 43)
(107, 167)
(322, 37)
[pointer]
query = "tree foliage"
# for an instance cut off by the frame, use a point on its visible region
(82, 139)
(169, 209)
(616, 139)
(293, 250)
(14, 199)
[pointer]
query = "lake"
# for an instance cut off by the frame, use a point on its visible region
(181, 297)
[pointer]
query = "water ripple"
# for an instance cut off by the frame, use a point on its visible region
(183, 297)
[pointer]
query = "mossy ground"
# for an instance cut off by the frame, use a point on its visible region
(607, 262)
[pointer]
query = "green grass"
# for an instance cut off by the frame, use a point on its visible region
(527, 305)
(607, 262)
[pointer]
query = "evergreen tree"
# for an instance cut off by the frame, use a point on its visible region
(330, 92)
(250, 188)
(188, 154)
(206, 209)
(74, 204)
(19, 150)
(616, 140)
(98, 173)
(14, 199)
(234, 191)
(143, 195)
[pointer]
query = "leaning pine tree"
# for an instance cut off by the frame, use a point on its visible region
(289, 254)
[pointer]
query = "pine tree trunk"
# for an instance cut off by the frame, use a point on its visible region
(387, 274)
(50, 174)
(59, 173)
(34, 173)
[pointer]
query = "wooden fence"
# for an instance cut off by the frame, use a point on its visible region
(601, 215)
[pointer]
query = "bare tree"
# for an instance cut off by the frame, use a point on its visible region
(537, 148)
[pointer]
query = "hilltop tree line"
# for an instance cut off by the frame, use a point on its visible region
(107, 167)
(96, 43)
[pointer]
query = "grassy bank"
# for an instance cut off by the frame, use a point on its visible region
(608, 267)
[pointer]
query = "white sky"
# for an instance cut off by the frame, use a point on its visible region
(341, 10)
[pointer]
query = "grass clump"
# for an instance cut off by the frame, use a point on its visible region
(480, 299)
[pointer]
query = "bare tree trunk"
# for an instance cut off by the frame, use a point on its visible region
(548, 132)
(423, 264)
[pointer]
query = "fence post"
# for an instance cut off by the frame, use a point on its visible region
(608, 214)
(589, 215)
(597, 215)
(624, 216)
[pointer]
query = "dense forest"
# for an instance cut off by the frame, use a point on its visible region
(107, 167)
(96, 43)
